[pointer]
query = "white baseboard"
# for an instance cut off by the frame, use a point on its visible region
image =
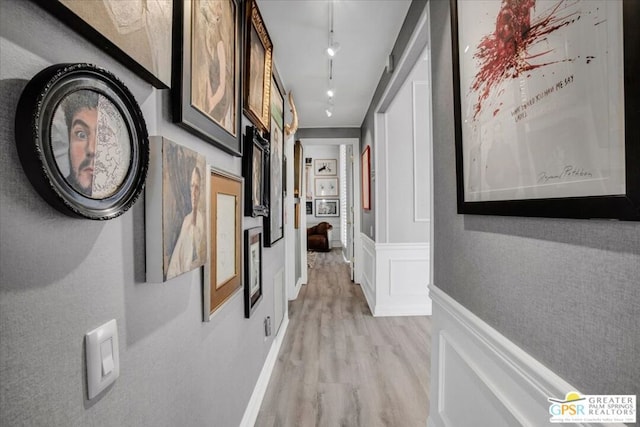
(476, 368)
(253, 407)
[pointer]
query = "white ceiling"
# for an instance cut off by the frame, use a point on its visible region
(299, 30)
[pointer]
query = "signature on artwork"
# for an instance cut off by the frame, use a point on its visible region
(567, 172)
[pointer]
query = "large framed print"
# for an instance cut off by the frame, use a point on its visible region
(135, 32)
(82, 141)
(257, 69)
(223, 269)
(274, 222)
(327, 207)
(206, 72)
(252, 269)
(325, 167)
(326, 187)
(547, 107)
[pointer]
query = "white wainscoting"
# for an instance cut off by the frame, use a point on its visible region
(480, 378)
(395, 278)
(368, 280)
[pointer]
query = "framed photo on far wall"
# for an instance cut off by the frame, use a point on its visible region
(546, 108)
(223, 269)
(326, 187)
(309, 208)
(257, 68)
(252, 269)
(325, 167)
(327, 207)
(206, 70)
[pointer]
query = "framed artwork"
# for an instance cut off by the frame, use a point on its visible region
(307, 181)
(546, 108)
(137, 33)
(309, 208)
(297, 168)
(255, 166)
(223, 269)
(82, 141)
(252, 269)
(325, 167)
(176, 211)
(206, 70)
(326, 187)
(257, 69)
(275, 218)
(365, 168)
(327, 207)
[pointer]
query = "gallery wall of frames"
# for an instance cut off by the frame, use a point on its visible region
(83, 142)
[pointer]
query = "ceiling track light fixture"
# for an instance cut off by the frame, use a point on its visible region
(334, 46)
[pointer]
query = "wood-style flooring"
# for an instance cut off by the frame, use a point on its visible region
(340, 366)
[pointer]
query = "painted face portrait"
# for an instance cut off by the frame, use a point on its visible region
(97, 141)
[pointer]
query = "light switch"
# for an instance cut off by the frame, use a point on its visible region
(103, 365)
(106, 353)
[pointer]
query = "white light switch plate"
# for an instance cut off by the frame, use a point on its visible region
(103, 361)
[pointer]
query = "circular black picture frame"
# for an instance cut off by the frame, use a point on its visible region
(116, 135)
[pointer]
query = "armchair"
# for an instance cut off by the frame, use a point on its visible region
(318, 237)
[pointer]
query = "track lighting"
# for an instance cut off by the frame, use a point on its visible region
(329, 111)
(333, 48)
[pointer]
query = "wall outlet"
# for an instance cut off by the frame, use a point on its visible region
(267, 326)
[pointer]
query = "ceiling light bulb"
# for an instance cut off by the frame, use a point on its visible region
(330, 93)
(333, 49)
(329, 112)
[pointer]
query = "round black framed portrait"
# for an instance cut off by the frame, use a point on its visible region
(82, 141)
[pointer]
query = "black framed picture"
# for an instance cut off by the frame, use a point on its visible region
(309, 207)
(546, 108)
(327, 207)
(206, 71)
(257, 68)
(252, 269)
(82, 141)
(138, 34)
(275, 219)
(255, 166)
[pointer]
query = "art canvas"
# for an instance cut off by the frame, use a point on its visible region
(141, 29)
(183, 210)
(275, 230)
(213, 62)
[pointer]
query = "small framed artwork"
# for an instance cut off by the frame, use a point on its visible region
(546, 108)
(325, 167)
(327, 207)
(275, 218)
(176, 211)
(297, 168)
(82, 141)
(309, 208)
(138, 34)
(223, 269)
(252, 269)
(257, 69)
(326, 187)
(366, 178)
(206, 70)
(255, 166)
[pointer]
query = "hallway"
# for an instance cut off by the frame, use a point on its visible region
(339, 366)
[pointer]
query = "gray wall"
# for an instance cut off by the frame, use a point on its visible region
(566, 291)
(62, 277)
(367, 129)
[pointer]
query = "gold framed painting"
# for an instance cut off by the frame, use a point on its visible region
(257, 68)
(223, 269)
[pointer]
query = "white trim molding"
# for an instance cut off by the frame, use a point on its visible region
(253, 407)
(498, 382)
(395, 278)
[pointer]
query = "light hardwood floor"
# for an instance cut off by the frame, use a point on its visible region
(340, 366)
